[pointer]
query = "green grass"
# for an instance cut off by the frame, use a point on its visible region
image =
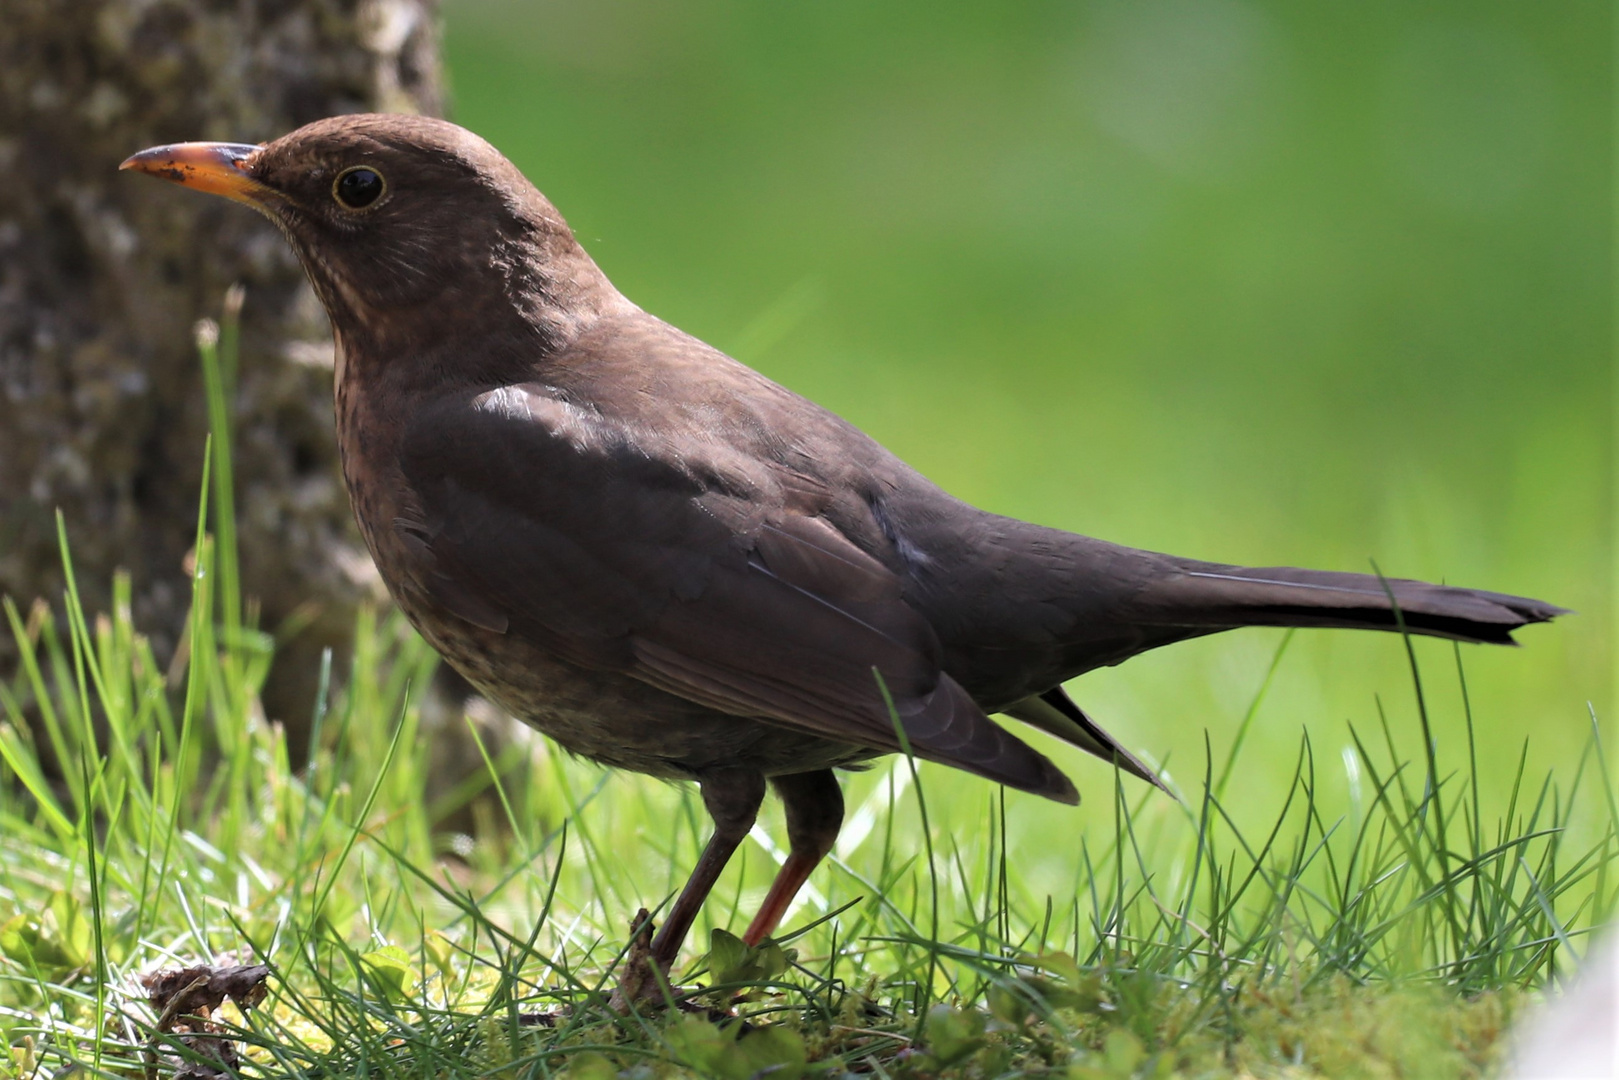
(150, 817)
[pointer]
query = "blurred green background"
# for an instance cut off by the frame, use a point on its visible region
(1261, 283)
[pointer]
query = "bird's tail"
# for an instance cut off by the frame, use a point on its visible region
(1197, 598)
(1153, 600)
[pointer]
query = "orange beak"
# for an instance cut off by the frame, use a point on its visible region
(217, 168)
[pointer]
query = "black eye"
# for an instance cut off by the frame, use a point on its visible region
(358, 188)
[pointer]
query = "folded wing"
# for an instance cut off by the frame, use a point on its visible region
(699, 575)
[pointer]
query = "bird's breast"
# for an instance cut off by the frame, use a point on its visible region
(369, 433)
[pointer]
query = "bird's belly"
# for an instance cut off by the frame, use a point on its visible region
(615, 719)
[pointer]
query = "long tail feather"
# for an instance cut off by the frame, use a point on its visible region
(1211, 596)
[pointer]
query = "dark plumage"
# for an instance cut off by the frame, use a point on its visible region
(667, 562)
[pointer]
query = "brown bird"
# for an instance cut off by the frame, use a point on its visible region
(670, 564)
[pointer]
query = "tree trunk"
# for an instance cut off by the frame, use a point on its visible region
(102, 276)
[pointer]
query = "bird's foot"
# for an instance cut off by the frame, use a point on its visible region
(644, 981)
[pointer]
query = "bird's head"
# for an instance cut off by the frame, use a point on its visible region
(399, 220)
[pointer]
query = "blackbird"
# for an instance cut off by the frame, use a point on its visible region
(670, 564)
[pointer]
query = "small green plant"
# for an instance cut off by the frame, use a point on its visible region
(151, 818)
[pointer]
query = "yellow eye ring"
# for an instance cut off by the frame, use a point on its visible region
(359, 188)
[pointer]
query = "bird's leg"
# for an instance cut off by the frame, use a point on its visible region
(814, 814)
(732, 797)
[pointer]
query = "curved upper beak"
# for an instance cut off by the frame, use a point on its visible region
(216, 168)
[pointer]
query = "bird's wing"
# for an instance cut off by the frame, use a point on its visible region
(539, 518)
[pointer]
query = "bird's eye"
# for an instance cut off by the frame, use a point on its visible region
(358, 188)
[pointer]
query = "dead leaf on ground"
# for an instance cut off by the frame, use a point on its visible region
(185, 1000)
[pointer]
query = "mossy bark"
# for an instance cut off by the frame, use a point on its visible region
(103, 275)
